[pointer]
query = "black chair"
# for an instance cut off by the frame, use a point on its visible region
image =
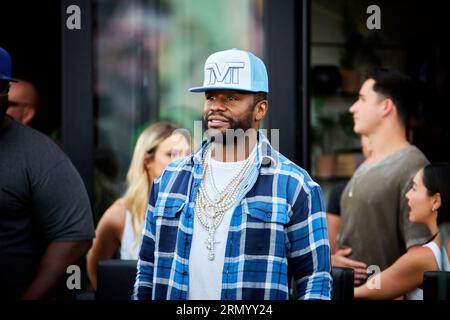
(343, 283)
(436, 285)
(115, 279)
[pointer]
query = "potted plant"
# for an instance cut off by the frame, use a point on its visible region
(322, 137)
(350, 77)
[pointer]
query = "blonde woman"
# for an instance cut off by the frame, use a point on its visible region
(121, 225)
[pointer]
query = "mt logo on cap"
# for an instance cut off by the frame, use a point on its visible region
(234, 70)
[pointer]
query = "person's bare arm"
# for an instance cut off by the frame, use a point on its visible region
(107, 239)
(53, 266)
(339, 259)
(405, 275)
(333, 222)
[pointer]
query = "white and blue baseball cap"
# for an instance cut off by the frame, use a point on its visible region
(234, 70)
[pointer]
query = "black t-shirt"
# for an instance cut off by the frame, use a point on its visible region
(334, 200)
(42, 200)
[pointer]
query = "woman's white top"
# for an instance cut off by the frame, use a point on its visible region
(417, 294)
(128, 251)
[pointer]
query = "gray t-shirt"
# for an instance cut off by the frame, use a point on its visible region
(42, 200)
(374, 210)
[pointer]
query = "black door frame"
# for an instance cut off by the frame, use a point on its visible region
(77, 126)
(287, 28)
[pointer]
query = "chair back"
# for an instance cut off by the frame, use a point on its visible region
(343, 283)
(115, 279)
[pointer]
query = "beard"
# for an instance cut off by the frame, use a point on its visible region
(235, 127)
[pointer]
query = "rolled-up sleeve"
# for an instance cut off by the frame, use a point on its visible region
(308, 244)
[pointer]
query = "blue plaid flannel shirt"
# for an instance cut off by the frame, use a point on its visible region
(278, 230)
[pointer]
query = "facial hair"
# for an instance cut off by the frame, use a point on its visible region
(234, 124)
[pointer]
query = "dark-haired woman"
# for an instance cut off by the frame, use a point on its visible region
(429, 202)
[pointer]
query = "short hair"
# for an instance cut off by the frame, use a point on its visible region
(29, 89)
(436, 178)
(398, 87)
(259, 96)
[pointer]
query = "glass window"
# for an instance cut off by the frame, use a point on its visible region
(147, 54)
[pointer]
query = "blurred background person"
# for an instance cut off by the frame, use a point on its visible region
(45, 214)
(334, 202)
(121, 225)
(375, 229)
(23, 101)
(429, 203)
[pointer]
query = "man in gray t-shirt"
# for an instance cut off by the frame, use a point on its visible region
(46, 221)
(375, 229)
(375, 220)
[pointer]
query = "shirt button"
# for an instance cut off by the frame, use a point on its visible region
(269, 214)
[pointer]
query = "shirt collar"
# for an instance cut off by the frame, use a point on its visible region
(265, 154)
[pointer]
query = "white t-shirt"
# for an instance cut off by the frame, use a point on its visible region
(205, 276)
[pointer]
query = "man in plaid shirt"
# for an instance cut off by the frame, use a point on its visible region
(235, 220)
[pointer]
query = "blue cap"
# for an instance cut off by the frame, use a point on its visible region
(234, 70)
(5, 66)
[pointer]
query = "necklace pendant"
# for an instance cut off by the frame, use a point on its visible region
(211, 256)
(210, 244)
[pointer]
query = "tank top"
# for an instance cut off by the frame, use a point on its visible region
(127, 249)
(417, 294)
